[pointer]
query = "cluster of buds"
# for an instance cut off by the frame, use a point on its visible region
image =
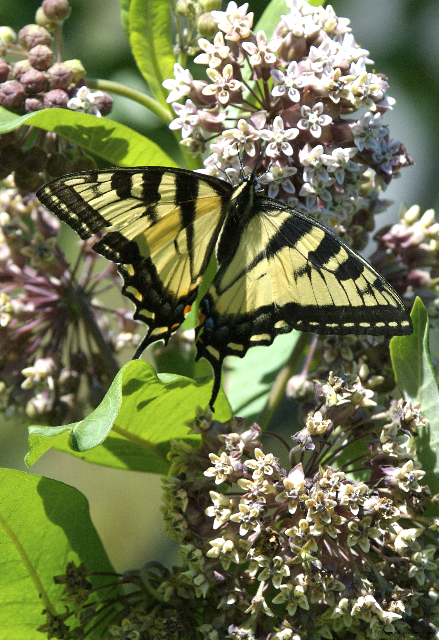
(413, 243)
(287, 106)
(308, 552)
(33, 77)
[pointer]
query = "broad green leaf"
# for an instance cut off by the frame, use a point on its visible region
(44, 525)
(271, 17)
(116, 143)
(249, 380)
(146, 409)
(415, 376)
(151, 43)
(118, 452)
(125, 16)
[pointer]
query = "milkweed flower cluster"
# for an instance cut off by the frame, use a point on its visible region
(289, 105)
(307, 551)
(47, 360)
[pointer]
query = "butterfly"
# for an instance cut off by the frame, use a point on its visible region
(278, 269)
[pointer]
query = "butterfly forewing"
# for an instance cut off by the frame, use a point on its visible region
(162, 228)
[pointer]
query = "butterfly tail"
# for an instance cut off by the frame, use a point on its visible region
(216, 361)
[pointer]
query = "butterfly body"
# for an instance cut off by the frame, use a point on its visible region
(278, 269)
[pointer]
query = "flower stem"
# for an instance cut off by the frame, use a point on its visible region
(133, 94)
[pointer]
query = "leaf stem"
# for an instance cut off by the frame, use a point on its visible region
(133, 94)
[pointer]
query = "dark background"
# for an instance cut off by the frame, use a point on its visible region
(403, 41)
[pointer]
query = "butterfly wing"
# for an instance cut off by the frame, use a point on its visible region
(161, 228)
(290, 272)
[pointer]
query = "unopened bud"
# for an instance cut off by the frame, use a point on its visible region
(34, 159)
(20, 68)
(33, 104)
(56, 10)
(27, 181)
(32, 34)
(105, 103)
(10, 156)
(428, 218)
(33, 81)
(8, 35)
(210, 5)
(4, 70)
(42, 20)
(206, 25)
(412, 214)
(77, 68)
(83, 163)
(12, 94)
(186, 8)
(56, 98)
(41, 57)
(59, 75)
(57, 165)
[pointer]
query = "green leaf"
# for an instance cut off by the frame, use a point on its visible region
(249, 380)
(151, 43)
(124, 16)
(44, 525)
(271, 17)
(416, 378)
(114, 142)
(145, 409)
(118, 452)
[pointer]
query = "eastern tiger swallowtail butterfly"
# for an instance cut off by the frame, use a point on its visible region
(278, 269)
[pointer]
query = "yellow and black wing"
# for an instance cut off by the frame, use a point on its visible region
(161, 227)
(286, 271)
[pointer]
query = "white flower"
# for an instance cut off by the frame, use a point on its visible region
(287, 82)
(368, 132)
(312, 191)
(332, 23)
(214, 53)
(312, 160)
(222, 84)
(86, 101)
(313, 119)
(299, 25)
(263, 51)
(278, 138)
(276, 177)
(353, 51)
(188, 118)
(234, 21)
(40, 373)
(5, 309)
(340, 161)
(322, 58)
(179, 87)
(243, 137)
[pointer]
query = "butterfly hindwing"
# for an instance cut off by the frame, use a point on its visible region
(162, 226)
(290, 272)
